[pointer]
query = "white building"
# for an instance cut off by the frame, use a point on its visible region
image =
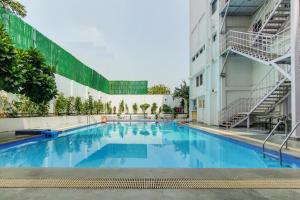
(244, 65)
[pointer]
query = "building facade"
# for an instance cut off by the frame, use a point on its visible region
(244, 65)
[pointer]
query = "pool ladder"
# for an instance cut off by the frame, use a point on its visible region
(285, 142)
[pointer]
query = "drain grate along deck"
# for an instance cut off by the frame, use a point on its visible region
(151, 183)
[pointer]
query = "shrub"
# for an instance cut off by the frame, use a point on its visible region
(90, 105)
(99, 106)
(121, 107)
(3, 105)
(167, 109)
(60, 105)
(78, 105)
(70, 105)
(108, 108)
(135, 108)
(144, 107)
(153, 108)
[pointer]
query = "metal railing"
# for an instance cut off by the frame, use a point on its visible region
(286, 140)
(272, 133)
(264, 13)
(244, 105)
(260, 46)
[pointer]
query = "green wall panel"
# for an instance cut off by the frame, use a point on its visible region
(25, 36)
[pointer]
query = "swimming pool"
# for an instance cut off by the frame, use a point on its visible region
(137, 145)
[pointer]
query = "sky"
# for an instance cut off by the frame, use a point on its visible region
(121, 39)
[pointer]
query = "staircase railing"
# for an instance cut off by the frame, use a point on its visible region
(261, 46)
(244, 105)
(264, 13)
(268, 83)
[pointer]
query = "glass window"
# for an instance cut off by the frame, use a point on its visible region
(201, 79)
(214, 37)
(197, 81)
(213, 7)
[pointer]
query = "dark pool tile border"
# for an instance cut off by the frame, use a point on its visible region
(285, 157)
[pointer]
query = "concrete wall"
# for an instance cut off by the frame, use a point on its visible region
(11, 124)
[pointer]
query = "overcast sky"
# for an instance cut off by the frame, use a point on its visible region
(121, 39)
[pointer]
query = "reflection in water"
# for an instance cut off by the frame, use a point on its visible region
(134, 145)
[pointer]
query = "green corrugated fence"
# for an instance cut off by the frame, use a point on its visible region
(25, 36)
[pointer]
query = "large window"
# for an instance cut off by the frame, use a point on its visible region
(213, 6)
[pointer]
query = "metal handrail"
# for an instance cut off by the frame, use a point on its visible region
(286, 140)
(270, 135)
(270, 5)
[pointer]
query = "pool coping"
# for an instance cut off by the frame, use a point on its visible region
(91, 178)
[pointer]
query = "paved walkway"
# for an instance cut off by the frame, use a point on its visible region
(186, 194)
(252, 136)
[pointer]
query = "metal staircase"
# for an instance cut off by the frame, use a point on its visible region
(272, 17)
(275, 86)
(262, 100)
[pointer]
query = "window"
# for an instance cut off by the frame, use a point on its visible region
(213, 6)
(214, 37)
(197, 81)
(201, 79)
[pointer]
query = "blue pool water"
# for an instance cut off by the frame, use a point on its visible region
(136, 145)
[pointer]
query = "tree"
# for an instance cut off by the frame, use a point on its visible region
(121, 107)
(135, 108)
(144, 107)
(99, 106)
(11, 76)
(115, 110)
(90, 103)
(126, 108)
(39, 83)
(153, 108)
(159, 89)
(183, 91)
(60, 105)
(78, 105)
(14, 7)
(70, 105)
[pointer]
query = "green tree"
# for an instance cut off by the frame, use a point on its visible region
(39, 83)
(183, 91)
(167, 109)
(99, 107)
(115, 110)
(78, 105)
(159, 89)
(121, 107)
(126, 108)
(70, 105)
(135, 108)
(60, 105)
(11, 76)
(14, 7)
(153, 108)
(144, 107)
(90, 105)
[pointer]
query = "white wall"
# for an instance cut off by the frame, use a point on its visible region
(72, 88)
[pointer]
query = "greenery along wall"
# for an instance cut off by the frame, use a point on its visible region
(25, 36)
